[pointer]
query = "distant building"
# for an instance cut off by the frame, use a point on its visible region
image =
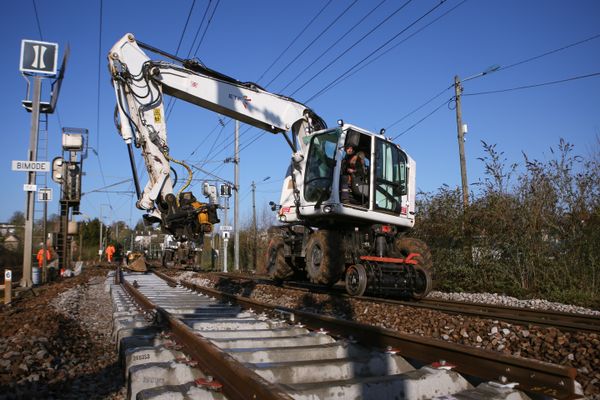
(7, 229)
(11, 242)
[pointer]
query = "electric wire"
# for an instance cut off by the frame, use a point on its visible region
(337, 58)
(187, 21)
(263, 74)
(424, 118)
(550, 52)
(97, 152)
(294, 40)
(317, 37)
(254, 139)
(199, 28)
(172, 105)
(535, 85)
(358, 69)
(223, 142)
(37, 19)
(375, 51)
(207, 26)
(108, 186)
(418, 108)
(340, 38)
(526, 60)
(181, 41)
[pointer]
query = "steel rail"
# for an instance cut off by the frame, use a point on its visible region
(533, 376)
(571, 322)
(567, 321)
(238, 381)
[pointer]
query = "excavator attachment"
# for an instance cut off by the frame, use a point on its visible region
(137, 263)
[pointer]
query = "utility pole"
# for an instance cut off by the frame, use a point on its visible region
(461, 143)
(225, 239)
(100, 250)
(30, 202)
(254, 224)
(236, 199)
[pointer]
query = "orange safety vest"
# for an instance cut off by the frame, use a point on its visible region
(40, 256)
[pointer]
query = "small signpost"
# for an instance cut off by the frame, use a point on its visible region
(45, 194)
(39, 57)
(31, 166)
(7, 286)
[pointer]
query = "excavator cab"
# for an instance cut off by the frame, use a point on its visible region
(351, 176)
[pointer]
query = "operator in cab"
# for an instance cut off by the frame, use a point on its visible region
(353, 172)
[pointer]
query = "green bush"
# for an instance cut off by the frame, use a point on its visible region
(535, 233)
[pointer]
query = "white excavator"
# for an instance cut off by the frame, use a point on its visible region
(335, 224)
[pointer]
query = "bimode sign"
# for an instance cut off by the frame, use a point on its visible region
(35, 166)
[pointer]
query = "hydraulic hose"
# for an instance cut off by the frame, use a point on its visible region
(189, 178)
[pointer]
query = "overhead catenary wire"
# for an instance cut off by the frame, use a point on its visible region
(256, 138)
(596, 36)
(37, 20)
(170, 106)
(317, 37)
(339, 39)
(358, 69)
(423, 119)
(502, 68)
(375, 51)
(337, 58)
(199, 28)
(223, 142)
(523, 87)
(181, 41)
(207, 26)
(295, 39)
(187, 21)
(534, 85)
(97, 152)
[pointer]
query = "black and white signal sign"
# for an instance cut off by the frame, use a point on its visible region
(39, 57)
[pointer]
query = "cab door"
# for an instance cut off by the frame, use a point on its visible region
(390, 183)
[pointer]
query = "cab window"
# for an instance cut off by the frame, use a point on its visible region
(320, 165)
(390, 176)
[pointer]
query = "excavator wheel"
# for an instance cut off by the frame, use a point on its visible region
(403, 246)
(277, 267)
(324, 258)
(356, 280)
(423, 284)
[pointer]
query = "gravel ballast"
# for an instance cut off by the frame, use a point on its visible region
(579, 350)
(57, 345)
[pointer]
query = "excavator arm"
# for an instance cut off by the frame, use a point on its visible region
(140, 84)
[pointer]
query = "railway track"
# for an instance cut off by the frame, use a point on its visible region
(183, 341)
(569, 322)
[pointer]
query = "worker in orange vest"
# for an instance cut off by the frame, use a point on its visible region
(110, 251)
(40, 256)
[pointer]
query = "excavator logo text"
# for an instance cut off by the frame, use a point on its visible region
(244, 99)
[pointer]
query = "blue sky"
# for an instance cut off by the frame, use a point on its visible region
(244, 38)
